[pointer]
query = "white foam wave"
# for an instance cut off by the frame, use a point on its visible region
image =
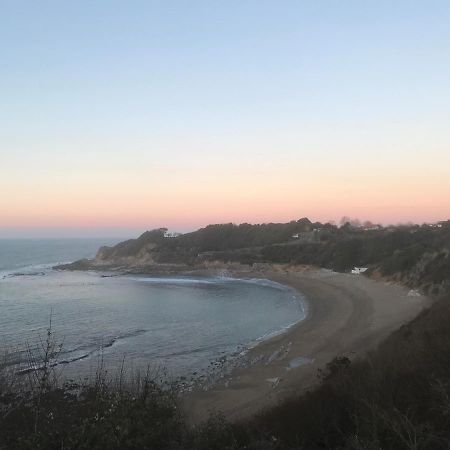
(29, 270)
(212, 280)
(169, 280)
(264, 282)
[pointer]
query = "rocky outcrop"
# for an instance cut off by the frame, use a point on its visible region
(111, 256)
(130, 254)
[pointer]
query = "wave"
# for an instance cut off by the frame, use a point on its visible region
(169, 280)
(76, 354)
(263, 282)
(112, 341)
(52, 364)
(193, 351)
(29, 270)
(304, 313)
(209, 281)
(274, 333)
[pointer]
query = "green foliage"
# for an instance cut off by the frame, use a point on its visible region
(213, 238)
(229, 236)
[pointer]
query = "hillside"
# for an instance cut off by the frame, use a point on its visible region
(418, 256)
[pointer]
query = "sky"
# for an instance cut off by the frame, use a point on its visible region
(122, 116)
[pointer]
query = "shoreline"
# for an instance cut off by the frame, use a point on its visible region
(233, 357)
(236, 359)
(300, 298)
(347, 315)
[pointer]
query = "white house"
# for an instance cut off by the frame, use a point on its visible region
(171, 235)
(359, 270)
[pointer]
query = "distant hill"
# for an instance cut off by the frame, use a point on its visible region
(417, 255)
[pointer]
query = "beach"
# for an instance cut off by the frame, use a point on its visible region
(348, 315)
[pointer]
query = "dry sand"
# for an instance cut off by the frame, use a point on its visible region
(347, 316)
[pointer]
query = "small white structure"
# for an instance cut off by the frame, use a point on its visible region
(359, 270)
(296, 236)
(171, 235)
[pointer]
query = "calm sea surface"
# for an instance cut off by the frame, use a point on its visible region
(180, 323)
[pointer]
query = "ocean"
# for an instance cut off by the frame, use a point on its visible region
(181, 326)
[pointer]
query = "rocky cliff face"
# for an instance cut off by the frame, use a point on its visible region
(131, 253)
(109, 256)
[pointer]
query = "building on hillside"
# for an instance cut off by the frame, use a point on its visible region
(306, 236)
(167, 234)
(373, 228)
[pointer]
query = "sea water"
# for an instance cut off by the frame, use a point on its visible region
(180, 324)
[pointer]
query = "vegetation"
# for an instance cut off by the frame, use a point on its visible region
(398, 397)
(416, 255)
(41, 411)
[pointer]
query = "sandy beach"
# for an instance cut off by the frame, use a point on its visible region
(347, 316)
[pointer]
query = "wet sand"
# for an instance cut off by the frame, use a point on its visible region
(347, 316)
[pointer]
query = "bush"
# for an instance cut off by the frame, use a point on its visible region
(398, 397)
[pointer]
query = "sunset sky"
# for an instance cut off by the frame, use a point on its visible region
(121, 116)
